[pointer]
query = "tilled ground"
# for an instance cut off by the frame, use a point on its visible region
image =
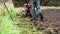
(51, 22)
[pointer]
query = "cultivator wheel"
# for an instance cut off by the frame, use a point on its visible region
(41, 16)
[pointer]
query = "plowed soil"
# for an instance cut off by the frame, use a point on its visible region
(51, 22)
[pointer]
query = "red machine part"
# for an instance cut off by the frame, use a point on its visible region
(27, 5)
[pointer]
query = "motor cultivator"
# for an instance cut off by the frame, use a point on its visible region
(27, 11)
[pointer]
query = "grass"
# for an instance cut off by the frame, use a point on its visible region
(58, 7)
(6, 26)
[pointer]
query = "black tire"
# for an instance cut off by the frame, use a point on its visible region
(41, 16)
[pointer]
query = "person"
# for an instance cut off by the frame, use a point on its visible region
(36, 4)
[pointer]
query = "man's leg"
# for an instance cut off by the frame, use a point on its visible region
(39, 9)
(33, 10)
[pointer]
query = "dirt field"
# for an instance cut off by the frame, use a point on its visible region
(51, 23)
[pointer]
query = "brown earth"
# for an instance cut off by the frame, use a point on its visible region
(51, 22)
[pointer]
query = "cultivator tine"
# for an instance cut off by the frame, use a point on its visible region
(7, 9)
